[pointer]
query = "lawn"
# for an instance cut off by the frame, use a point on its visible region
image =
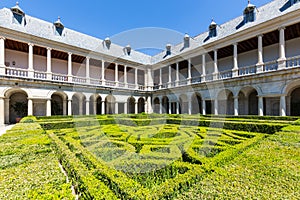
(152, 157)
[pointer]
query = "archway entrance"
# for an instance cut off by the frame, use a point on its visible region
(141, 105)
(196, 103)
(295, 102)
(131, 105)
(110, 102)
(56, 104)
(18, 106)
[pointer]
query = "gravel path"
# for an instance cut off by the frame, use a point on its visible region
(5, 128)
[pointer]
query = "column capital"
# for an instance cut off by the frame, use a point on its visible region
(49, 49)
(235, 43)
(70, 54)
(281, 28)
(260, 35)
(30, 44)
(87, 57)
(2, 38)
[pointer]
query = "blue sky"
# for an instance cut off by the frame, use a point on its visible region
(125, 21)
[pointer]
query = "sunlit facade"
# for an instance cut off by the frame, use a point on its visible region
(247, 66)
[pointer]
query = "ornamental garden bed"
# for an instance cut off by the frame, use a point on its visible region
(134, 156)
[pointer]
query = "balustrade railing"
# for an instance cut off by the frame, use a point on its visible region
(17, 72)
(40, 75)
(196, 80)
(270, 66)
(293, 62)
(59, 77)
(225, 74)
(247, 70)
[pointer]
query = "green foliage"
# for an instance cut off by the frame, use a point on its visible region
(152, 156)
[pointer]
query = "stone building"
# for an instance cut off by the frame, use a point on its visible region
(247, 66)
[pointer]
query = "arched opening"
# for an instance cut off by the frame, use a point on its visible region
(243, 104)
(110, 102)
(57, 102)
(75, 105)
(141, 105)
(183, 104)
(156, 106)
(18, 105)
(295, 102)
(248, 101)
(196, 103)
(225, 102)
(165, 104)
(253, 103)
(131, 105)
(98, 105)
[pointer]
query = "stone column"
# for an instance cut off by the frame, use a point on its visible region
(125, 108)
(30, 107)
(87, 107)
(189, 106)
(160, 106)
(49, 67)
(103, 107)
(177, 74)
(236, 106)
(103, 72)
(282, 58)
(69, 107)
(125, 76)
(116, 75)
(2, 113)
(30, 61)
(2, 55)
(235, 70)
(216, 106)
(6, 110)
(189, 71)
(216, 71)
(80, 106)
(282, 106)
(95, 107)
(136, 108)
(87, 70)
(170, 108)
(260, 106)
(203, 107)
(116, 108)
(203, 68)
(65, 107)
(260, 58)
(177, 107)
(160, 78)
(136, 78)
(48, 109)
(170, 76)
(70, 67)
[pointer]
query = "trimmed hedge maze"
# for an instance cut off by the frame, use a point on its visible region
(150, 156)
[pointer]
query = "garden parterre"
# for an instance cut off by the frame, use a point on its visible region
(151, 156)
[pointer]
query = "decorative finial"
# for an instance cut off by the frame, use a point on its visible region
(17, 3)
(248, 1)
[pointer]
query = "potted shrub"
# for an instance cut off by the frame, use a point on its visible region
(21, 110)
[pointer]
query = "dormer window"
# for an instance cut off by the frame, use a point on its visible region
(294, 1)
(213, 29)
(59, 27)
(249, 13)
(18, 14)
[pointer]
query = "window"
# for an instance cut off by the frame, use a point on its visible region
(213, 32)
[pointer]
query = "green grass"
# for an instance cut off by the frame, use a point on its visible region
(28, 167)
(144, 157)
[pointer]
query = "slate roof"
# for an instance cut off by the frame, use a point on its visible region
(43, 29)
(272, 10)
